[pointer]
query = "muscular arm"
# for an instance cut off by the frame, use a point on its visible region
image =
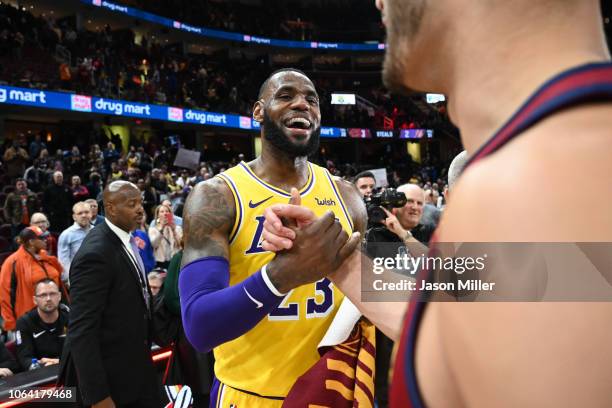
(207, 300)
(387, 316)
(208, 217)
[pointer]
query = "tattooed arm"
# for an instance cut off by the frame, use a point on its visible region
(208, 217)
(208, 302)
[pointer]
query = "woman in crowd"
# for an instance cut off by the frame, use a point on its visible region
(165, 236)
(29, 264)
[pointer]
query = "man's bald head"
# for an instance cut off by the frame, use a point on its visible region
(58, 177)
(410, 214)
(123, 205)
(456, 168)
(40, 220)
(411, 189)
(116, 188)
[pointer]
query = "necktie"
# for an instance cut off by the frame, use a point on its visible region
(141, 270)
(136, 252)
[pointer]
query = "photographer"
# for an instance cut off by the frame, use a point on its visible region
(365, 183)
(403, 223)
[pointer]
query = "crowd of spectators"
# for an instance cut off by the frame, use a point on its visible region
(112, 64)
(51, 203)
(292, 20)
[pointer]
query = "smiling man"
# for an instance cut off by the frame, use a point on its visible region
(254, 309)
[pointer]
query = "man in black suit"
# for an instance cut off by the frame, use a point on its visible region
(107, 353)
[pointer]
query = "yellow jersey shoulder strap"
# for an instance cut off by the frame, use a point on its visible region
(323, 175)
(229, 177)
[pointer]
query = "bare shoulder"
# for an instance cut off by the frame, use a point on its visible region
(354, 202)
(208, 218)
(537, 188)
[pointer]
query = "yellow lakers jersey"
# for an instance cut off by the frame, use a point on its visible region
(269, 358)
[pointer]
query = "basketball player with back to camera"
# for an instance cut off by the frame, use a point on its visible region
(547, 66)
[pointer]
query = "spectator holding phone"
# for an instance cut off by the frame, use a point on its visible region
(165, 236)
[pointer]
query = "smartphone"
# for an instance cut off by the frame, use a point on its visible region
(170, 218)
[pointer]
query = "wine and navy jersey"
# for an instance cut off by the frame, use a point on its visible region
(268, 359)
(586, 84)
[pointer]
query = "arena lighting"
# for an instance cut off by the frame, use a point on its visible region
(161, 356)
(342, 99)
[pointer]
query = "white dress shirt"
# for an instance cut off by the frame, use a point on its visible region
(125, 240)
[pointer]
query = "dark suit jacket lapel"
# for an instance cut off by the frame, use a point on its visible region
(114, 239)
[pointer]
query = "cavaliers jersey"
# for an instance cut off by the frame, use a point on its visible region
(269, 358)
(581, 85)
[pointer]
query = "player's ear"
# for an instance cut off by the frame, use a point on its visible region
(258, 109)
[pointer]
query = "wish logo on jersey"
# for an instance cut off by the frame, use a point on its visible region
(325, 201)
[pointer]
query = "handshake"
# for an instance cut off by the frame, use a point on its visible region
(307, 248)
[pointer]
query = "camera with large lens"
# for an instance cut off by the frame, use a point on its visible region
(388, 198)
(379, 241)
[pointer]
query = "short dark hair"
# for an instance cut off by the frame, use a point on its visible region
(263, 87)
(18, 179)
(364, 174)
(45, 281)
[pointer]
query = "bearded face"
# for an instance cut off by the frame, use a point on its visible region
(276, 135)
(291, 118)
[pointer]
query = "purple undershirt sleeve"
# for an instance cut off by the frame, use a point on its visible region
(214, 312)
